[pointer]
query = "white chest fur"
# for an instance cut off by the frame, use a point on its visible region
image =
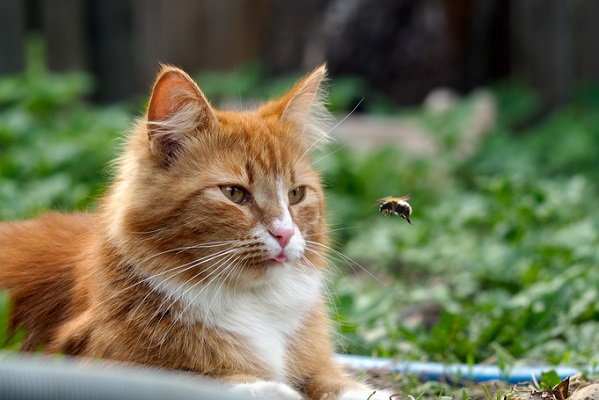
(264, 316)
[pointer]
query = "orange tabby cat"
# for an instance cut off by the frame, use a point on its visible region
(206, 254)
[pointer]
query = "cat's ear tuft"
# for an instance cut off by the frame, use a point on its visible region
(176, 109)
(304, 106)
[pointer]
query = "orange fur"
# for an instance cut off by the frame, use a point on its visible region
(94, 284)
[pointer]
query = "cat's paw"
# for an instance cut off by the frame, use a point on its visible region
(367, 394)
(266, 390)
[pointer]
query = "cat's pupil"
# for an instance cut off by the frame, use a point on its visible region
(235, 193)
(296, 195)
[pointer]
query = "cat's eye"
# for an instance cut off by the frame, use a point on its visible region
(296, 195)
(235, 193)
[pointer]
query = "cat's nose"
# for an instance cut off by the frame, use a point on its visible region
(283, 235)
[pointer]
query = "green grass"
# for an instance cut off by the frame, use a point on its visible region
(503, 256)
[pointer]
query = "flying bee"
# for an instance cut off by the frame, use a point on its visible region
(396, 205)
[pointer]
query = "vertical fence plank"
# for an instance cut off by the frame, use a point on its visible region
(542, 46)
(12, 39)
(112, 59)
(588, 45)
(65, 28)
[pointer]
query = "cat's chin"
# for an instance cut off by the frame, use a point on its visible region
(271, 271)
(272, 266)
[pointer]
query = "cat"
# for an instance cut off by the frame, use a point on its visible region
(206, 254)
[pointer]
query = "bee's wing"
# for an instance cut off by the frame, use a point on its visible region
(384, 199)
(394, 198)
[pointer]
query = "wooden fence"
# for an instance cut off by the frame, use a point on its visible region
(403, 47)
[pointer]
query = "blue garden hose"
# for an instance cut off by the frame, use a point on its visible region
(438, 371)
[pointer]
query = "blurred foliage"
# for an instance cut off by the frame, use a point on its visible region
(501, 263)
(54, 147)
(9, 340)
(504, 243)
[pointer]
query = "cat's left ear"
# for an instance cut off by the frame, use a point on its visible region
(304, 106)
(177, 108)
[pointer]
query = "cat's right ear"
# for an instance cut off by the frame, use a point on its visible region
(177, 108)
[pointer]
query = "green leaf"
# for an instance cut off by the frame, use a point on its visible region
(4, 318)
(550, 379)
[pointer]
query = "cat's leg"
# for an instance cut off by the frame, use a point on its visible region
(251, 388)
(367, 393)
(331, 383)
(315, 371)
(72, 338)
(265, 390)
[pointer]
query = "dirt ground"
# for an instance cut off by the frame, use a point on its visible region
(410, 387)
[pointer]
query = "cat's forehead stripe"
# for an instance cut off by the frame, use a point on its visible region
(268, 157)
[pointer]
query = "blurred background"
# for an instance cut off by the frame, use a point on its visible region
(486, 111)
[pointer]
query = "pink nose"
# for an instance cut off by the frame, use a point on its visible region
(282, 235)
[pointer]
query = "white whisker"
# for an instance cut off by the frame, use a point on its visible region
(327, 231)
(223, 266)
(326, 135)
(179, 270)
(159, 310)
(179, 317)
(342, 257)
(229, 270)
(331, 153)
(149, 278)
(178, 250)
(347, 116)
(223, 263)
